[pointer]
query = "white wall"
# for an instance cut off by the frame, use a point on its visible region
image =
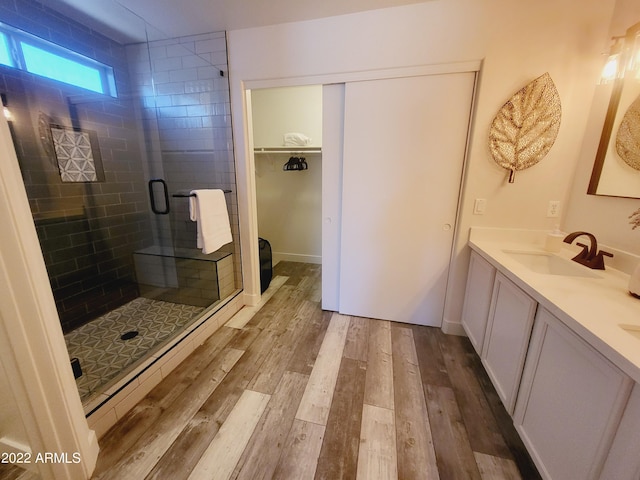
(289, 202)
(565, 39)
(517, 41)
(605, 217)
(277, 111)
(290, 207)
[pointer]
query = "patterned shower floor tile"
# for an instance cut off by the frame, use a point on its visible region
(104, 355)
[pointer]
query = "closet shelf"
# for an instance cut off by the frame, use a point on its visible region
(288, 149)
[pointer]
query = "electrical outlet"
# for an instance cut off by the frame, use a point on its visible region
(553, 209)
(479, 206)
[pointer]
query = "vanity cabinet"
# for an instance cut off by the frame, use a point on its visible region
(570, 402)
(477, 299)
(506, 338)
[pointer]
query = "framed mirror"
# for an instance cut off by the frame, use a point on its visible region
(612, 175)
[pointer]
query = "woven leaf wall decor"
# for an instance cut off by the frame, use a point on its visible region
(526, 127)
(628, 137)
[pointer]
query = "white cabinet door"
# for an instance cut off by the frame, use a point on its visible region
(404, 146)
(570, 402)
(507, 338)
(477, 299)
(623, 461)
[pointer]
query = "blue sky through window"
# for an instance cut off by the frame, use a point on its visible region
(56, 67)
(5, 56)
(26, 52)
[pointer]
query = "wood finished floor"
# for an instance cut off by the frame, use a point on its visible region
(301, 393)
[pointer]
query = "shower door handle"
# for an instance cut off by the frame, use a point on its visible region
(152, 196)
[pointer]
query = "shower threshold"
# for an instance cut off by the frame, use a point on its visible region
(107, 347)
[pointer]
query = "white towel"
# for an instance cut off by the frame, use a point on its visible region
(296, 139)
(209, 209)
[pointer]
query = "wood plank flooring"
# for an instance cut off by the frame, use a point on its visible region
(298, 393)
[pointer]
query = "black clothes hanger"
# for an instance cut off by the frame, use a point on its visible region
(296, 163)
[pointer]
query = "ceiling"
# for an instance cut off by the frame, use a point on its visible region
(130, 21)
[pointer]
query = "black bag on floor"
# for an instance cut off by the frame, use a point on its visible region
(266, 266)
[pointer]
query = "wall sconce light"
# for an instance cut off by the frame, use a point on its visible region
(612, 68)
(624, 57)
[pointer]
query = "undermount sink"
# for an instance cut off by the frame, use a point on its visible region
(547, 263)
(632, 329)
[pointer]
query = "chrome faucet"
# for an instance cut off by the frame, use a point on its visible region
(589, 256)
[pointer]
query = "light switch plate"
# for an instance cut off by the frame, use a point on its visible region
(480, 206)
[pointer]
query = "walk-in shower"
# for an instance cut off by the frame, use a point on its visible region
(108, 164)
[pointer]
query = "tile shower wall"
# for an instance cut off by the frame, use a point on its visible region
(188, 104)
(87, 230)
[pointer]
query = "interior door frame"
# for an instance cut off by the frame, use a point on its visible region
(32, 349)
(245, 164)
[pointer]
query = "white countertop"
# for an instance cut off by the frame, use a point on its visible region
(594, 308)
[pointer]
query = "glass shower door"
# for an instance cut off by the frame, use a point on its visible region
(186, 117)
(124, 268)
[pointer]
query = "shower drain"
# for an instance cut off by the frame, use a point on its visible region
(129, 335)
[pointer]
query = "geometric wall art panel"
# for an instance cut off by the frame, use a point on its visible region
(78, 161)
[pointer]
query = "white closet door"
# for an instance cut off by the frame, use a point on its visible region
(404, 144)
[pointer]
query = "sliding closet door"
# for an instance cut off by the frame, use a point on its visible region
(404, 145)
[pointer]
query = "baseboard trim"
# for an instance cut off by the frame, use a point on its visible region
(22, 451)
(296, 257)
(250, 300)
(453, 328)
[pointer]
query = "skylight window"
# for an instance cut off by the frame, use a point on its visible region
(32, 54)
